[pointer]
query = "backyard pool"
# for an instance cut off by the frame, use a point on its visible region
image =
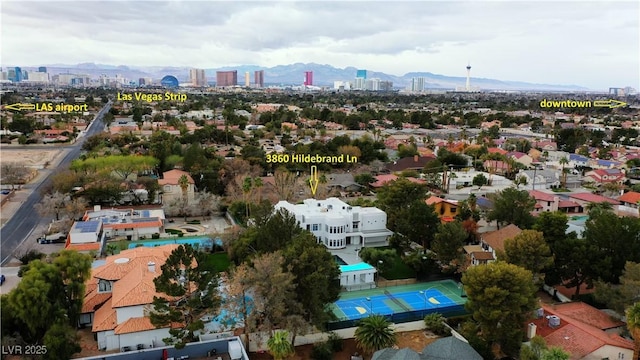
(200, 241)
(339, 260)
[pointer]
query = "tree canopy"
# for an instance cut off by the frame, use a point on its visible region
(513, 206)
(501, 297)
(189, 293)
(45, 306)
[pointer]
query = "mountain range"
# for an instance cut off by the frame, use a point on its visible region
(293, 74)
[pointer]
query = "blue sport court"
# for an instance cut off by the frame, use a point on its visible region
(427, 297)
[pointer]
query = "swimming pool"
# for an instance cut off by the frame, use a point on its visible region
(582, 218)
(339, 260)
(201, 241)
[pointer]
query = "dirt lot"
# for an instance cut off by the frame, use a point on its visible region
(415, 340)
(35, 158)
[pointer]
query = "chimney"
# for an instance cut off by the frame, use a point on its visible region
(556, 203)
(415, 158)
(152, 266)
(531, 330)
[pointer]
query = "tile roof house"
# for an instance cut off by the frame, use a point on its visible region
(493, 241)
(120, 222)
(171, 189)
(581, 330)
(453, 347)
(118, 296)
(551, 202)
(604, 176)
(630, 199)
(445, 209)
(410, 163)
(520, 157)
(584, 199)
(496, 167)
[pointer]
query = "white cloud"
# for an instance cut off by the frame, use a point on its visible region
(594, 44)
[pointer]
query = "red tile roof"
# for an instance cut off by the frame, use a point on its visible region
(541, 195)
(172, 177)
(593, 198)
(134, 325)
(631, 197)
(105, 318)
(588, 315)
(574, 336)
(567, 204)
(94, 246)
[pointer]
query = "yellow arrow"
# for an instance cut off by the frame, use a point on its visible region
(20, 106)
(313, 181)
(609, 103)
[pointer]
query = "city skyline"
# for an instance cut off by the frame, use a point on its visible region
(594, 44)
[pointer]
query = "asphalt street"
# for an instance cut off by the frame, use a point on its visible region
(26, 219)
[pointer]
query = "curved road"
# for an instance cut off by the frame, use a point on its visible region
(25, 220)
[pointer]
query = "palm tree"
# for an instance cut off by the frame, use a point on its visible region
(563, 161)
(258, 184)
(374, 333)
(247, 184)
(633, 324)
(279, 345)
(183, 181)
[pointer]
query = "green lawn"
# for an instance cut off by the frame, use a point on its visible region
(399, 270)
(219, 262)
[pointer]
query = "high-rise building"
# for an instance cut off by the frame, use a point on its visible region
(227, 78)
(15, 74)
(247, 79)
(417, 84)
(386, 85)
(308, 78)
(258, 78)
(42, 69)
(361, 74)
(359, 83)
(468, 85)
(197, 77)
(40, 77)
(372, 84)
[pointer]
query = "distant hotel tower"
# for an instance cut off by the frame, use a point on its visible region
(42, 69)
(197, 77)
(258, 78)
(227, 78)
(308, 78)
(247, 79)
(362, 74)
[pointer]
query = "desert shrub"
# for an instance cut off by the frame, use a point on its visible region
(435, 323)
(321, 351)
(335, 342)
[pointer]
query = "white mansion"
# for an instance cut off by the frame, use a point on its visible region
(336, 224)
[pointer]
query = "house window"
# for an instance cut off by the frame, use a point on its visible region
(315, 227)
(355, 225)
(167, 188)
(453, 210)
(104, 286)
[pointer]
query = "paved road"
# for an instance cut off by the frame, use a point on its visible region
(25, 220)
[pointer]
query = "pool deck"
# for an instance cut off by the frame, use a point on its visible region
(349, 254)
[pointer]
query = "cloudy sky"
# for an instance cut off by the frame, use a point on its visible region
(593, 44)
